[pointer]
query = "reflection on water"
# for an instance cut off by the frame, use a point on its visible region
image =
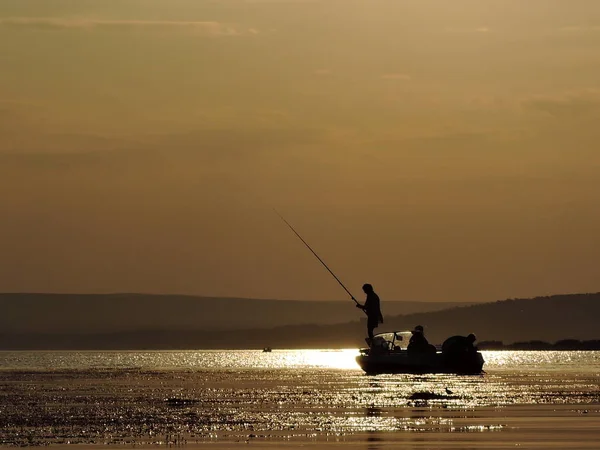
(151, 397)
(277, 359)
(373, 435)
(198, 360)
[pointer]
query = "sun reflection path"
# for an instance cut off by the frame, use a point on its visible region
(332, 359)
(198, 396)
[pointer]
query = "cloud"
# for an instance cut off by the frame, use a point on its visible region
(580, 29)
(204, 28)
(468, 30)
(19, 118)
(395, 76)
(570, 104)
(238, 143)
(209, 145)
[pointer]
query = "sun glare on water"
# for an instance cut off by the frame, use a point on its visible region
(333, 359)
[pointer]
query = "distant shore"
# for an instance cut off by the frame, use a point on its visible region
(564, 344)
(170, 322)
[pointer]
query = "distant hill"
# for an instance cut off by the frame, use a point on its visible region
(543, 318)
(63, 313)
(551, 318)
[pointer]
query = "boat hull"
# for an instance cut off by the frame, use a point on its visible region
(404, 362)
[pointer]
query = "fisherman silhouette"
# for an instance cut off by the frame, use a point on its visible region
(456, 345)
(373, 309)
(418, 342)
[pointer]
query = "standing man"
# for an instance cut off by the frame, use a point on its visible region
(373, 310)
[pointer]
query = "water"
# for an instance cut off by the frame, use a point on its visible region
(188, 397)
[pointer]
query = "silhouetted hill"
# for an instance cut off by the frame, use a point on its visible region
(544, 318)
(564, 344)
(63, 313)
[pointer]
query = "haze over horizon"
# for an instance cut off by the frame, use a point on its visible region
(440, 150)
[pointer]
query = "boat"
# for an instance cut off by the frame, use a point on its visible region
(388, 353)
(267, 350)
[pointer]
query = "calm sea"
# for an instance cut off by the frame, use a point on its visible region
(187, 397)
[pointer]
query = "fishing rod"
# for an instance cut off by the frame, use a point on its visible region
(317, 256)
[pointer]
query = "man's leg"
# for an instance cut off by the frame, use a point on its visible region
(370, 331)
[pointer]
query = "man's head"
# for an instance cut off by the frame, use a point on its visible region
(471, 338)
(367, 288)
(418, 329)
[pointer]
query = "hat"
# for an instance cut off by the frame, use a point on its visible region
(418, 329)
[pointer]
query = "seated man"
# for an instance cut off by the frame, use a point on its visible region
(457, 345)
(418, 342)
(379, 345)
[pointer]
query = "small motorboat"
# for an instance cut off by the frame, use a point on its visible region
(388, 353)
(267, 350)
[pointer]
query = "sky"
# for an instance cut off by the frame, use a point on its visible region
(440, 150)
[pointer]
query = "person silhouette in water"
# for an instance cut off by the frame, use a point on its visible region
(373, 309)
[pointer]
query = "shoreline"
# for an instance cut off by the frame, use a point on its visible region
(483, 347)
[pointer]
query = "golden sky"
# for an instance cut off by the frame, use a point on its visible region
(441, 150)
